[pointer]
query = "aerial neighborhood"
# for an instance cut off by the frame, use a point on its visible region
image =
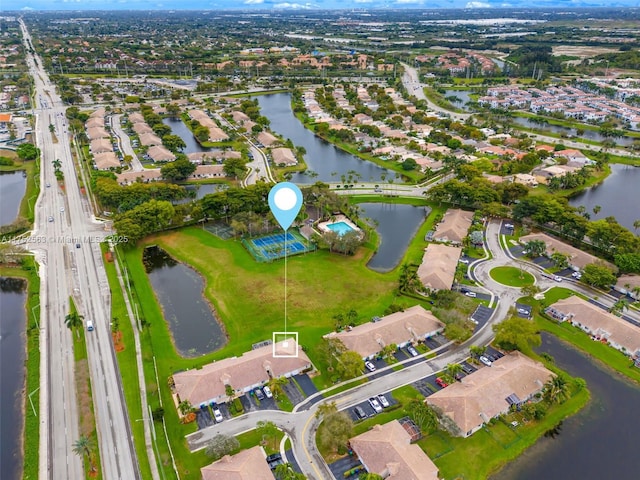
(350, 244)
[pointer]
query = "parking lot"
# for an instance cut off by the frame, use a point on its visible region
(481, 316)
(368, 409)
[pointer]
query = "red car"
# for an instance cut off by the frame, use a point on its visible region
(441, 383)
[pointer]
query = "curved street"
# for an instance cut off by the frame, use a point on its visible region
(301, 424)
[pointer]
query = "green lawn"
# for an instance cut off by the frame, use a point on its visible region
(511, 276)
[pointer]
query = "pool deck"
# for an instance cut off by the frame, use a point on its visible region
(324, 226)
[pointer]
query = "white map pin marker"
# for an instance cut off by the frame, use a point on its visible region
(285, 201)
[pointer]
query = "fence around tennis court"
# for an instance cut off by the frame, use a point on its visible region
(272, 247)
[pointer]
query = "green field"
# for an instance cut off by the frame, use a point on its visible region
(511, 276)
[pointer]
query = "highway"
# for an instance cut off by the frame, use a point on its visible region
(66, 240)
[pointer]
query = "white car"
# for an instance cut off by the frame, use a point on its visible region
(523, 311)
(464, 260)
(217, 415)
(557, 278)
(370, 366)
(471, 294)
(485, 360)
(373, 401)
(412, 351)
(576, 275)
(267, 392)
(508, 225)
(383, 401)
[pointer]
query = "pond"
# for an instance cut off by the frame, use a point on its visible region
(397, 224)
(12, 356)
(13, 186)
(200, 190)
(618, 196)
(179, 128)
(598, 442)
(587, 134)
(461, 97)
(179, 290)
(323, 158)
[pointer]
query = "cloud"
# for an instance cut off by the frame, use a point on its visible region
(409, 2)
(253, 2)
(293, 6)
(477, 5)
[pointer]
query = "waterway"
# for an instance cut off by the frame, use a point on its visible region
(396, 225)
(597, 443)
(572, 132)
(13, 186)
(323, 158)
(179, 128)
(618, 196)
(12, 356)
(179, 290)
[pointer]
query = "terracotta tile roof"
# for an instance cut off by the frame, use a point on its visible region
(106, 160)
(267, 139)
(251, 369)
(160, 154)
(249, 464)
(97, 132)
(283, 155)
(438, 266)
(387, 451)
(399, 327)
(483, 394)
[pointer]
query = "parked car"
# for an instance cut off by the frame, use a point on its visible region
(51, 219)
(370, 366)
(467, 368)
(360, 412)
(383, 401)
(267, 391)
(258, 393)
(373, 401)
(576, 275)
(441, 383)
(557, 278)
(464, 260)
(274, 460)
(471, 294)
(412, 351)
(523, 311)
(217, 415)
(508, 226)
(485, 360)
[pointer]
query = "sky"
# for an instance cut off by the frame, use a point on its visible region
(7, 5)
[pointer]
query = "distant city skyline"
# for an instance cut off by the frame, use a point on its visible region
(15, 5)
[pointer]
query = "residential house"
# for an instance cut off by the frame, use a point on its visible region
(438, 267)
(252, 369)
(158, 153)
(97, 132)
(250, 464)
(106, 160)
(600, 324)
(149, 139)
(147, 175)
(100, 145)
(284, 156)
(490, 391)
(387, 450)
(141, 128)
(454, 226)
(577, 258)
(400, 328)
(267, 139)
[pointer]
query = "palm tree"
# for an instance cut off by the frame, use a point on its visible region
(636, 225)
(285, 471)
(73, 321)
(84, 446)
(277, 386)
(596, 209)
(477, 350)
(556, 390)
(453, 369)
(620, 306)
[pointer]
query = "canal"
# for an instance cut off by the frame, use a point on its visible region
(597, 443)
(180, 291)
(13, 296)
(13, 186)
(618, 196)
(327, 161)
(179, 128)
(396, 225)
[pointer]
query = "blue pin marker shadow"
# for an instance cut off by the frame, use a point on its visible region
(285, 201)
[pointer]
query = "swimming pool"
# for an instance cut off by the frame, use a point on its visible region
(340, 227)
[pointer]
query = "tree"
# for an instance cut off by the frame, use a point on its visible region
(535, 248)
(267, 430)
(185, 407)
(388, 351)
(173, 109)
(175, 143)
(285, 471)
(234, 167)
(27, 151)
(422, 415)
(277, 386)
(556, 390)
(326, 409)
(409, 164)
(335, 431)
(453, 369)
(530, 290)
(371, 476)
(560, 259)
(84, 446)
(477, 350)
(516, 333)
(222, 445)
(73, 321)
(619, 307)
(598, 276)
(178, 170)
(201, 133)
(349, 365)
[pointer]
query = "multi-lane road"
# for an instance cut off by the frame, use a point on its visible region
(66, 240)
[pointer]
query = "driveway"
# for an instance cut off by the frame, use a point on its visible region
(339, 467)
(292, 392)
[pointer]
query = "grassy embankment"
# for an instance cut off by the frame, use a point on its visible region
(31, 405)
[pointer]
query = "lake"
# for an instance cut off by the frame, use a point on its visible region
(597, 443)
(179, 290)
(13, 297)
(323, 158)
(179, 128)
(618, 196)
(397, 224)
(587, 134)
(13, 186)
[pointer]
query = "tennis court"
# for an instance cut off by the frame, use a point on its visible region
(272, 247)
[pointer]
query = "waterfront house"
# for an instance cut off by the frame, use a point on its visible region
(454, 226)
(438, 267)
